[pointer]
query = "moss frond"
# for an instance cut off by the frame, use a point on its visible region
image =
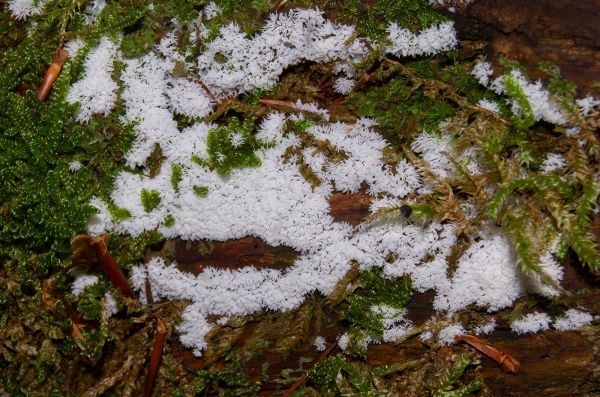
(515, 91)
(587, 203)
(446, 388)
(150, 199)
(176, 175)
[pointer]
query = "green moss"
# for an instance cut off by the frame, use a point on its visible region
(150, 199)
(130, 251)
(337, 376)
(89, 303)
(43, 203)
(298, 127)
(248, 14)
(169, 221)
(401, 108)
(224, 155)
(137, 43)
(200, 190)
(176, 175)
(117, 213)
(232, 380)
(446, 383)
(375, 290)
(562, 89)
(515, 91)
(372, 19)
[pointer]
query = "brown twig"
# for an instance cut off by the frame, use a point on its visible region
(159, 345)
(506, 361)
(280, 5)
(278, 103)
(51, 74)
(304, 377)
(208, 91)
(287, 106)
(110, 266)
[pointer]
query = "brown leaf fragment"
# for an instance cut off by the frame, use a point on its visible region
(506, 361)
(48, 292)
(82, 252)
(51, 74)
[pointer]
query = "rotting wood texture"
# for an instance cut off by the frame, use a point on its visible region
(552, 363)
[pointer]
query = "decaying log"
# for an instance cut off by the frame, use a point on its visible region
(552, 363)
(560, 31)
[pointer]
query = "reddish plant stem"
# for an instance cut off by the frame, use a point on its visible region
(277, 102)
(286, 106)
(207, 90)
(157, 351)
(506, 361)
(50, 75)
(110, 267)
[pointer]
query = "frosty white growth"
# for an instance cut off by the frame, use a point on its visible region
(274, 201)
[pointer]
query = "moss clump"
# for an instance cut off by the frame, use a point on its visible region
(338, 376)
(515, 91)
(89, 301)
(231, 146)
(375, 290)
(446, 384)
(200, 190)
(401, 107)
(176, 175)
(231, 380)
(150, 199)
(372, 20)
(169, 221)
(129, 251)
(117, 213)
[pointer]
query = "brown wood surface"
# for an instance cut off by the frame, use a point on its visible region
(564, 32)
(552, 363)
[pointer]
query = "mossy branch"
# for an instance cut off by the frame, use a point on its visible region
(537, 185)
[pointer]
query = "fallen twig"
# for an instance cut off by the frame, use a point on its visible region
(51, 74)
(506, 361)
(208, 91)
(280, 5)
(159, 345)
(107, 261)
(288, 106)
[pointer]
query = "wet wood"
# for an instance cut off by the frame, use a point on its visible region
(552, 363)
(351, 208)
(194, 257)
(564, 32)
